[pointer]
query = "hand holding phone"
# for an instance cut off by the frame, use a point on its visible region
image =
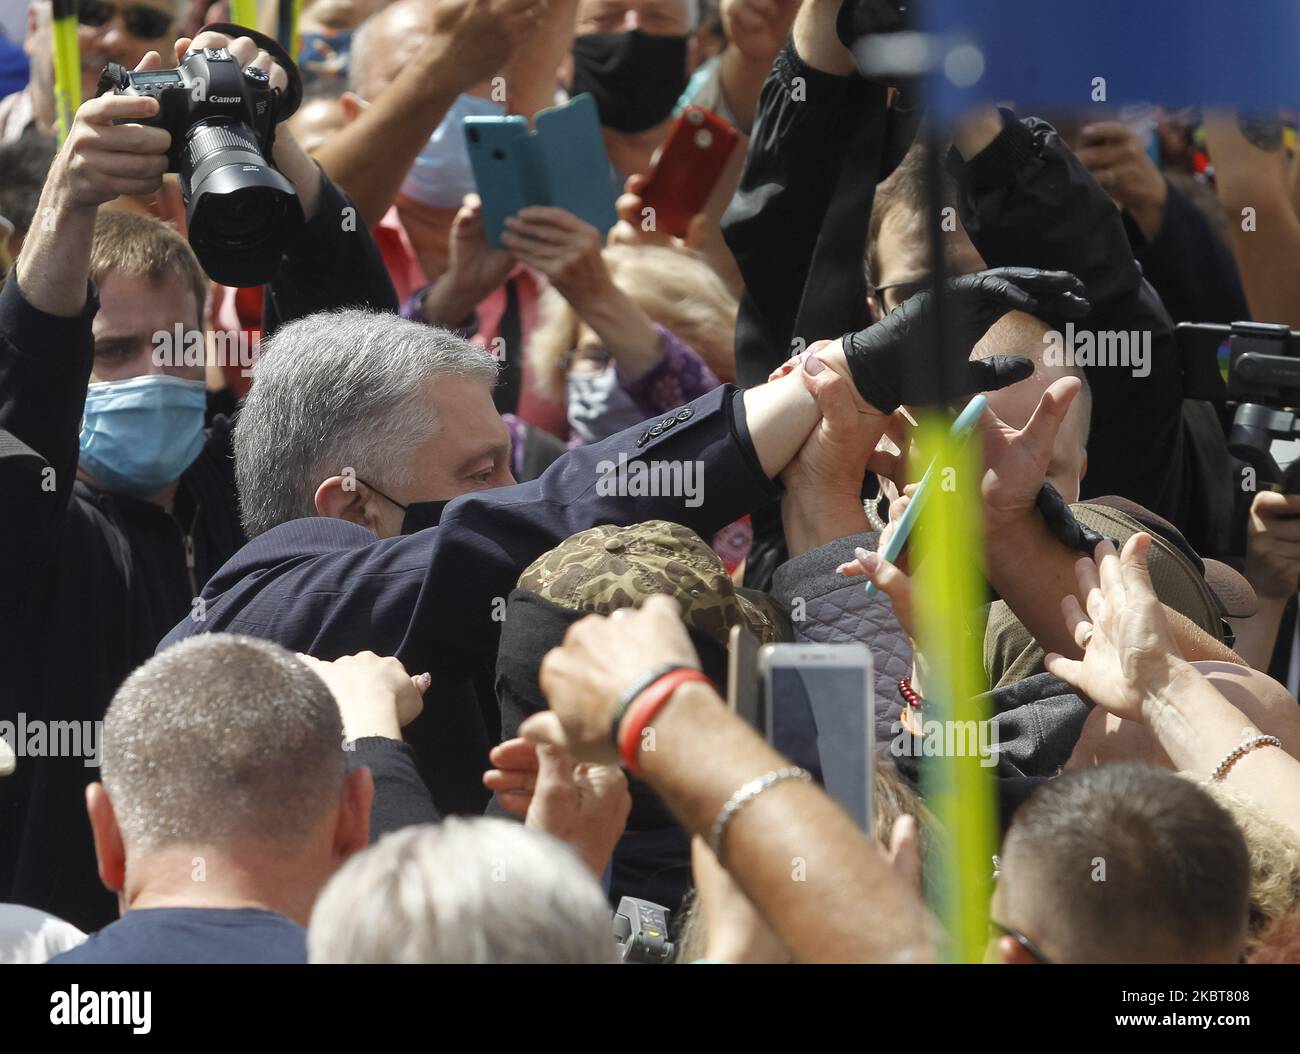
(687, 168)
(562, 163)
(820, 714)
(961, 429)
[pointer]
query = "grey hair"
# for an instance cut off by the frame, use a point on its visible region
(336, 391)
(218, 740)
(469, 890)
(363, 41)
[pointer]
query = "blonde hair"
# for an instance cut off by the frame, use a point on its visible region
(676, 288)
(1274, 929)
(142, 247)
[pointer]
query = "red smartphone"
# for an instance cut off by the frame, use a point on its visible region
(687, 168)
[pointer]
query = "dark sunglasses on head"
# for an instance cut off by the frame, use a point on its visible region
(141, 20)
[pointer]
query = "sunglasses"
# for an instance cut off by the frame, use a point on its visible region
(904, 289)
(141, 20)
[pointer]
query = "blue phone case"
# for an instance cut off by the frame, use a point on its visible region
(494, 145)
(562, 163)
(961, 428)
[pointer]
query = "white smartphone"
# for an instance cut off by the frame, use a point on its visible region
(744, 695)
(818, 701)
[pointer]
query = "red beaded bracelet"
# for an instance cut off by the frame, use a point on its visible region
(648, 702)
(909, 695)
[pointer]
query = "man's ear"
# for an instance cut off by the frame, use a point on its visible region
(110, 851)
(350, 104)
(353, 831)
(346, 498)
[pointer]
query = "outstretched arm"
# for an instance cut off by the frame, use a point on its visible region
(851, 906)
(1250, 172)
(1131, 666)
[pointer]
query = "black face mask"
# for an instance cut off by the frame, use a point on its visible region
(636, 78)
(421, 514)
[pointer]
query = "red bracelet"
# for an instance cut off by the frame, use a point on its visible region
(643, 709)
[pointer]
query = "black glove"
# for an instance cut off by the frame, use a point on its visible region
(878, 355)
(1061, 522)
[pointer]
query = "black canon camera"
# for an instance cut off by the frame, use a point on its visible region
(241, 212)
(1263, 382)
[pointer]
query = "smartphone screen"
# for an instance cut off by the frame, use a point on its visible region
(819, 715)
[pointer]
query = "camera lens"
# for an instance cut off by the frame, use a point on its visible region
(244, 212)
(241, 211)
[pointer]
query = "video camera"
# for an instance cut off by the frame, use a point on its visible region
(1263, 380)
(641, 931)
(240, 211)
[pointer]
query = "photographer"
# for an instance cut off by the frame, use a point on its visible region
(109, 547)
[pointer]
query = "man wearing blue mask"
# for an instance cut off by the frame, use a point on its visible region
(102, 362)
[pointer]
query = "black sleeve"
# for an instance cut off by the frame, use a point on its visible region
(45, 363)
(333, 263)
(401, 798)
(804, 129)
(1192, 270)
(1026, 200)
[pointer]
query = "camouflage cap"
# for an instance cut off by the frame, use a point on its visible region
(606, 568)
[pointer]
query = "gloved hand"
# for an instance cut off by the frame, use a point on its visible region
(878, 356)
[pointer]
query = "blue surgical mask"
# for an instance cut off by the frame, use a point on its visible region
(140, 434)
(441, 176)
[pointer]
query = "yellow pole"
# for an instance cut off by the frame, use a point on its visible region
(959, 790)
(244, 13)
(67, 66)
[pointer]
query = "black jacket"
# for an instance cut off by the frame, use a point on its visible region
(435, 598)
(92, 580)
(797, 227)
(1026, 200)
(1189, 265)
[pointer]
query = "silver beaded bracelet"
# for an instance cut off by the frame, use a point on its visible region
(1240, 751)
(746, 794)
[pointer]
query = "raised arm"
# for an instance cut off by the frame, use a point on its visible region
(1131, 666)
(471, 41)
(1250, 172)
(530, 73)
(850, 907)
(809, 108)
(1027, 200)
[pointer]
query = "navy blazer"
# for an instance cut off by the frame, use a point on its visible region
(436, 598)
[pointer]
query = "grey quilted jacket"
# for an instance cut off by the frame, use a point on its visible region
(827, 608)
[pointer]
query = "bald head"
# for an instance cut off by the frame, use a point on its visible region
(1018, 333)
(386, 42)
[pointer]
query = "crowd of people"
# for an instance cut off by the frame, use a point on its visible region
(382, 612)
